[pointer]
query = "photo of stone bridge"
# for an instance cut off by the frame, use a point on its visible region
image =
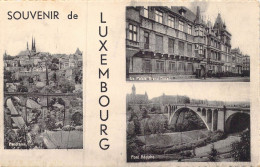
(215, 118)
(183, 128)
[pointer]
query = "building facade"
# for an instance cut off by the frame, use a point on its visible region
(136, 99)
(175, 43)
(246, 65)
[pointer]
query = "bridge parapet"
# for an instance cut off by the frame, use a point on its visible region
(213, 107)
(214, 117)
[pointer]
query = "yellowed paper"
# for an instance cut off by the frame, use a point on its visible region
(114, 77)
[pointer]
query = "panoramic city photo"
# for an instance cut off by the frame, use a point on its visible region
(187, 43)
(43, 103)
(188, 124)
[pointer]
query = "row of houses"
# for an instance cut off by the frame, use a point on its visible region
(175, 41)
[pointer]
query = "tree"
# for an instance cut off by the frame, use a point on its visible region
(213, 154)
(22, 88)
(54, 67)
(77, 118)
(241, 149)
(66, 86)
(145, 113)
(54, 76)
(55, 61)
(50, 122)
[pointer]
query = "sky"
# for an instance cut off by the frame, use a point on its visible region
(209, 91)
(241, 19)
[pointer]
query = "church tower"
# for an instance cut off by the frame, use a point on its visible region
(33, 45)
(133, 90)
(146, 96)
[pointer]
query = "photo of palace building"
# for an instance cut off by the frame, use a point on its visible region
(169, 43)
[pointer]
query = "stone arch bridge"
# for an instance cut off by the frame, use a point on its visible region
(42, 99)
(228, 119)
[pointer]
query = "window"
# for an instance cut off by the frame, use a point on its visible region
(181, 25)
(159, 66)
(197, 31)
(172, 67)
(189, 67)
(171, 45)
(181, 66)
(147, 66)
(146, 40)
(132, 32)
(189, 29)
(158, 16)
(181, 48)
(158, 43)
(201, 32)
(171, 21)
(146, 11)
(189, 49)
(200, 49)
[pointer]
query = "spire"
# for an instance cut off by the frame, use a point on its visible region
(32, 44)
(146, 96)
(218, 23)
(198, 16)
(133, 90)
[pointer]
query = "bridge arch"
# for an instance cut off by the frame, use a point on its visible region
(237, 122)
(177, 112)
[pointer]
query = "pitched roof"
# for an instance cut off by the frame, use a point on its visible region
(219, 23)
(188, 13)
(24, 53)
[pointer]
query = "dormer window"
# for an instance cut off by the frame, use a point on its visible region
(181, 25)
(182, 11)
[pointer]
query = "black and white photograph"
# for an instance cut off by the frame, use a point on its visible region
(43, 98)
(197, 42)
(186, 125)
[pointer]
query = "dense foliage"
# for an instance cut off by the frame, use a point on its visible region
(241, 149)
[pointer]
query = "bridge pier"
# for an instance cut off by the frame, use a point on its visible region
(220, 120)
(215, 120)
(209, 118)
